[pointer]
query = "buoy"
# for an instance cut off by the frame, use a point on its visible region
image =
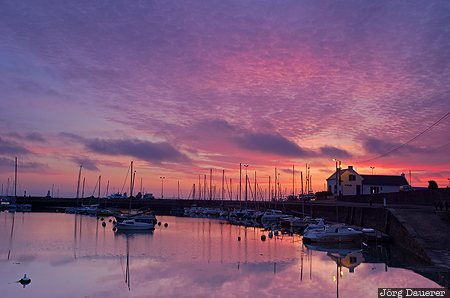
(275, 232)
(239, 238)
(114, 229)
(270, 234)
(166, 225)
(110, 220)
(24, 280)
(114, 222)
(101, 218)
(159, 223)
(103, 224)
(263, 237)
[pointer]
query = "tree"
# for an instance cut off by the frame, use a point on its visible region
(432, 184)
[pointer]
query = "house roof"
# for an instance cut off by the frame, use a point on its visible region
(384, 180)
(333, 176)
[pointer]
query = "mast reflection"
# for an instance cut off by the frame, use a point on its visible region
(129, 237)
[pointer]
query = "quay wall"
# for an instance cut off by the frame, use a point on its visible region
(416, 197)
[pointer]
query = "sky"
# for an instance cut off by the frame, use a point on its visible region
(182, 87)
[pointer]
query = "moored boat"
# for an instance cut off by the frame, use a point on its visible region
(132, 224)
(334, 233)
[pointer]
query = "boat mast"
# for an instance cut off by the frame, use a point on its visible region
(82, 191)
(223, 186)
(240, 181)
(204, 187)
(293, 181)
(199, 188)
(301, 179)
(210, 184)
(275, 185)
(255, 188)
(99, 182)
(15, 179)
(131, 186)
(231, 189)
(78, 184)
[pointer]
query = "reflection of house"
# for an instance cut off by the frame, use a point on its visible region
(350, 261)
(351, 183)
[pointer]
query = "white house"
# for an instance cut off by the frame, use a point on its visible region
(352, 183)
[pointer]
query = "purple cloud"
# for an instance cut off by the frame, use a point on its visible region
(329, 151)
(379, 146)
(23, 166)
(86, 162)
(8, 147)
(145, 150)
(35, 137)
(272, 144)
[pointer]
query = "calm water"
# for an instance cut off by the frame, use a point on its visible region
(68, 255)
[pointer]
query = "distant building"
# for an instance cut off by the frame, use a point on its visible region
(352, 183)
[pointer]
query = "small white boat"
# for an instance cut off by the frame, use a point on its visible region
(335, 233)
(117, 195)
(319, 224)
(131, 224)
(272, 216)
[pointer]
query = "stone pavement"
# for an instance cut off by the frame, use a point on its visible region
(430, 230)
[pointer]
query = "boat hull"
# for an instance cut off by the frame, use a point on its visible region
(331, 238)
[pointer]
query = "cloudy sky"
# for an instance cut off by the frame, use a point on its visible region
(184, 86)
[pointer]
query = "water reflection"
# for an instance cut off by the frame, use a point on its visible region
(347, 255)
(129, 234)
(202, 255)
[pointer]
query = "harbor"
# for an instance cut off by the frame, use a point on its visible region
(414, 229)
(203, 254)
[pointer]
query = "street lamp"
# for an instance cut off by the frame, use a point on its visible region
(162, 187)
(372, 169)
(338, 176)
(246, 178)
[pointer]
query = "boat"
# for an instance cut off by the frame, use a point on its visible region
(334, 233)
(117, 195)
(132, 224)
(317, 224)
(23, 207)
(272, 216)
(140, 221)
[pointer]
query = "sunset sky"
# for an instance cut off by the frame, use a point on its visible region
(180, 87)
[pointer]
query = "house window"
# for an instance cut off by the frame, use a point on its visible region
(374, 189)
(351, 177)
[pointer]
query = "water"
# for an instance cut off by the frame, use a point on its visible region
(68, 255)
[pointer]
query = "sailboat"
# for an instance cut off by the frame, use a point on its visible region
(138, 222)
(10, 203)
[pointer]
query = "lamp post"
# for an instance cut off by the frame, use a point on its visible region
(246, 178)
(338, 176)
(162, 186)
(372, 169)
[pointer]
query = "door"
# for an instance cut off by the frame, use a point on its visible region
(358, 190)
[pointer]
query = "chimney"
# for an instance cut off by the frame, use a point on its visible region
(350, 168)
(403, 175)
